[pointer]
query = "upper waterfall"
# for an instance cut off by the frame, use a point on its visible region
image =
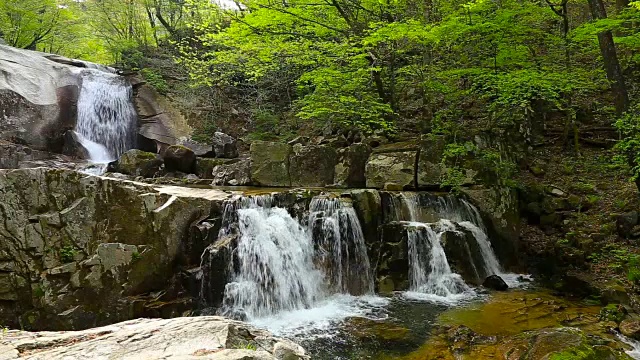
(106, 116)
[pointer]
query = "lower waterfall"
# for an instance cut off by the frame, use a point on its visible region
(430, 275)
(429, 269)
(283, 264)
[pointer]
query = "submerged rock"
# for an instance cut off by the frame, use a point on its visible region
(495, 282)
(206, 337)
(137, 163)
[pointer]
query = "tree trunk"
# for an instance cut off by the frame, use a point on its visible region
(610, 57)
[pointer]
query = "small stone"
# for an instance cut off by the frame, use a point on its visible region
(625, 224)
(224, 146)
(557, 192)
(495, 282)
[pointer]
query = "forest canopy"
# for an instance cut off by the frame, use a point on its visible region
(371, 65)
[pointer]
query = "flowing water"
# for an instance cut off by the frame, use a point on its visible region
(307, 276)
(106, 124)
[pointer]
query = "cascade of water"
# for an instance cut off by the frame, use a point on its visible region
(275, 254)
(491, 263)
(282, 265)
(106, 116)
(429, 269)
(334, 225)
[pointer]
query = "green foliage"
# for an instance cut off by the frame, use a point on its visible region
(628, 147)
(155, 79)
(135, 256)
(612, 312)
(67, 253)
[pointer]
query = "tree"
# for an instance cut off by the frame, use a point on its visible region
(27, 23)
(610, 58)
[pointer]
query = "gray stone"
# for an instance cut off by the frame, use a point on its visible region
(350, 169)
(201, 150)
(188, 338)
(270, 163)
(312, 166)
(94, 257)
(179, 158)
(430, 168)
(137, 163)
(38, 97)
(224, 146)
(233, 174)
(205, 166)
(391, 167)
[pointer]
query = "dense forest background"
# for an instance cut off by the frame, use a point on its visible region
(525, 70)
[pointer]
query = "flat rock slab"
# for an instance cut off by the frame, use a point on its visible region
(206, 337)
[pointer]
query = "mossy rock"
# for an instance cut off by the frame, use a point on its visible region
(137, 163)
(270, 163)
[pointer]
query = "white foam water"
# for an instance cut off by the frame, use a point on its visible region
(276, 271)
(634, 353)
(335, 226)
(430, 276)
(106, 116)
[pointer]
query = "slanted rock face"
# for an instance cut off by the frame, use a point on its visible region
(312, 165)
(464, 255)
(38, 94)
(350, 170)
(205, 337)
(270, 163)
(75, 249)
(159, 121)
(180, 158)
(224, 146)
(137, 163)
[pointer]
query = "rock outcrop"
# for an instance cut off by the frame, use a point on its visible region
(38, 93)
(78, 251)
(270, 163)
(312, 165)
(350, 169)
(206, 337)
(392, 164)
(233, 173)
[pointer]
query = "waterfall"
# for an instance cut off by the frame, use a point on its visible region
(281, 265)
(106, 124)
(430, 272)
(334, 225)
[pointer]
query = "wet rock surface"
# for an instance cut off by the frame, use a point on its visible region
(149, 339)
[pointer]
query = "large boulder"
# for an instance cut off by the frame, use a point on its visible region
(180, 158)
(350, 169)
(224, 146)
(312, 166)
(237, 173)
(392, 164)
(464, 255)
(137, 163)
(495, 282)
(201, 150)
(205, 337)
(270, 163)
(38, 94)
(630, 328)
(78, 251)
